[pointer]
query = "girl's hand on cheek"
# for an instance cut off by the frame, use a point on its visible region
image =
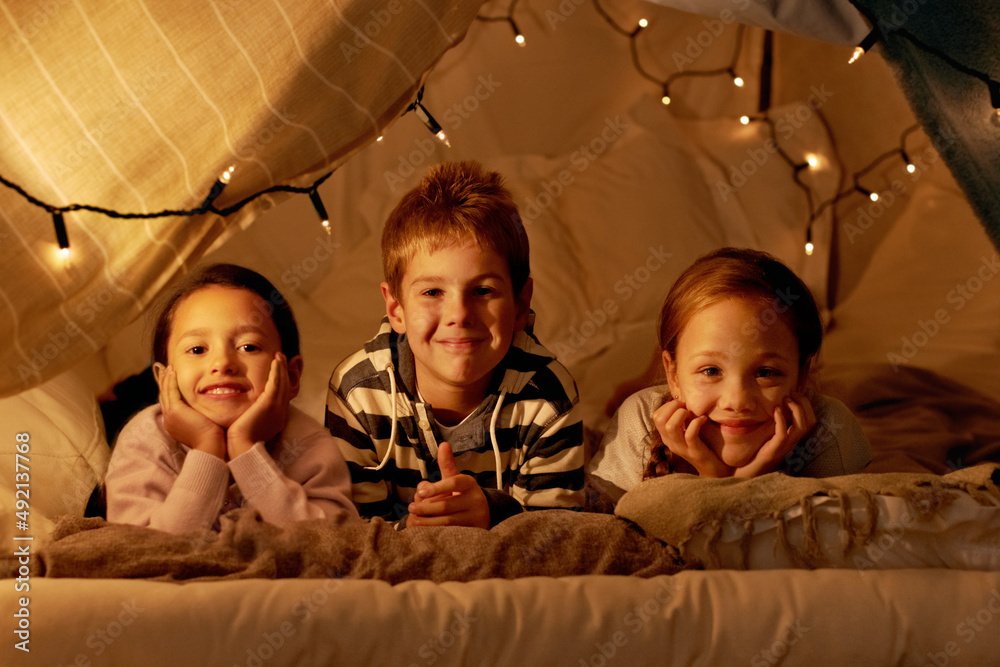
(185, 424)
(680, 432)
(786, 436)
(267, 416)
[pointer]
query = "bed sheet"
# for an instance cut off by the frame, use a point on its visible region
(788, 617)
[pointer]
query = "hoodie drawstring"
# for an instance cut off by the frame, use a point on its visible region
(392, 431)
(493, 437)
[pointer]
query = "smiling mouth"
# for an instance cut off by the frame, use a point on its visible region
(223, 390)
(739, 427)
(460, 343)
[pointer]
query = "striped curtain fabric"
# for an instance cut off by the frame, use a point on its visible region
(140, 106)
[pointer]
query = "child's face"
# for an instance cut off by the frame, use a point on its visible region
(736, 360)
(221, 344)
(458, 309)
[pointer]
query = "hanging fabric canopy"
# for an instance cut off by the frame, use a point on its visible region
(140, 107)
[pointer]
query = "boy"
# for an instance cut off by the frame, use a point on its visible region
(454, 414)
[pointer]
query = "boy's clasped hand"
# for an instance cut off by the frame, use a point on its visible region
(456, 500)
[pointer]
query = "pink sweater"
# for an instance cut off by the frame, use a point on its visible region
(155, 481)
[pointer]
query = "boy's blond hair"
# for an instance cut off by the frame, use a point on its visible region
(456, 202)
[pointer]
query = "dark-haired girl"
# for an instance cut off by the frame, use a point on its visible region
(226, 359)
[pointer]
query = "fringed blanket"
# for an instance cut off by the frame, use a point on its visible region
(542, 543)
(681, 509)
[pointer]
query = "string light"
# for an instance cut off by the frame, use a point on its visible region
(62, 238)
(994, 88)
(666, 99)
(864, 47)
(811, 160)
(856, 188)
(509, 19)
(870, 40)
(910, 168)
(208, 206)
(317, 203)
(217, 189)
(424, 115)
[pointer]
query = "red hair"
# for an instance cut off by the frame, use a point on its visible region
(456, 202)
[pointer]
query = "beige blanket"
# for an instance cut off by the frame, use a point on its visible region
(541, 543)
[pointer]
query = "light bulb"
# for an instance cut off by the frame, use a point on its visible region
(745, 120)
(873, 196)
(858, 52)
(812, 160)
(809, 247)
(519, 38)
(738, 81)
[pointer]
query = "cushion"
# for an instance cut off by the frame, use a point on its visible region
(64, 458)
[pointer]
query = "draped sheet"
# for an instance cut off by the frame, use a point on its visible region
(140, 106)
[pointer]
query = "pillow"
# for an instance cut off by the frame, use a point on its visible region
(62, 457)
(867, 521)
